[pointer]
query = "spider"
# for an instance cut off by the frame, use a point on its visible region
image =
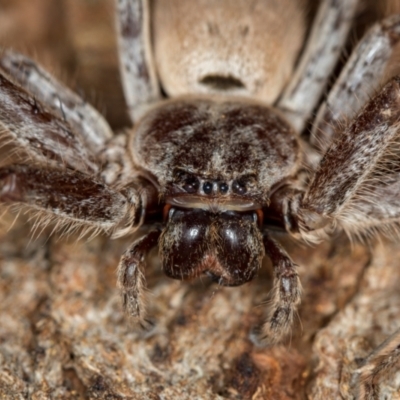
(229, 155)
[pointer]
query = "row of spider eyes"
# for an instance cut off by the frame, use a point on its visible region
(192, 185)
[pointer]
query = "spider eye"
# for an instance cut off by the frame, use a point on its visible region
(239, 187)
(191, 185)
(207, 187)
(223, 187)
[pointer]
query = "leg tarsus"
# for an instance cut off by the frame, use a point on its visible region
(131, 279)
(283, 209)
(286, 293)
(286, 211)
(380, 361)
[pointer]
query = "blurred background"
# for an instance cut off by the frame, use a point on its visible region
(75, 40)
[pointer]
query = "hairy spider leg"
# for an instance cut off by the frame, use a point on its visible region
(70, 198)
(66, 105)
(382, 360)
(131, 275)
(40, 136)
(327, 38)
(359, 80)
(358, 181)
(286, 293)
(137, 68)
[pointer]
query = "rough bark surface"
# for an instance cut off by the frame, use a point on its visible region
(63, 334)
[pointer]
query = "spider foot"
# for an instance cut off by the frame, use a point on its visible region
(382, 362)
(286, 299)
(131, 280)
(286, 295)
(278, 325)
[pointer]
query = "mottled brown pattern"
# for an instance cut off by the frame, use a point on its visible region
(364, 73)
(216, 140)
(27, 122)
(327, 37)
(136, 60)
(131, 274)
(212, 189)
(64, 333)
(67, 194)
(353, 160)
(61, 101)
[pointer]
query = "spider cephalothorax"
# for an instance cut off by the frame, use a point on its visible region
(210, 169)
(216, 162)
(216, 149)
